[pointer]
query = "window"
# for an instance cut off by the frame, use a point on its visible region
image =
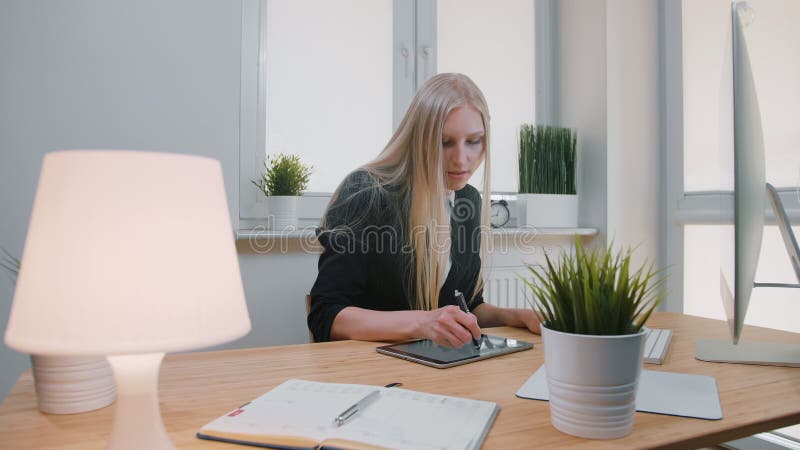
(495, 47)
(774, 43)
(330, 79)
(773, 40)
(328, 83)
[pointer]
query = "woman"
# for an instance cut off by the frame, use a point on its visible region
(403, 233)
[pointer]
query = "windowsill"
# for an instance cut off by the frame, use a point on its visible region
(300, 233)
(532, 231)
(309, 232)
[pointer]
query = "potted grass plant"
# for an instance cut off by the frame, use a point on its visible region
(593, 305)
(283, 180)
(66, 384)
(547, 166)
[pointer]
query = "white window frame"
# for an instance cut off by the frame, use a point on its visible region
(252, 128)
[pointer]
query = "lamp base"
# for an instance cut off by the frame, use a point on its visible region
(68, 384)
(137, 417)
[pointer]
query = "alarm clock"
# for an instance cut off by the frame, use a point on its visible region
(500, 213)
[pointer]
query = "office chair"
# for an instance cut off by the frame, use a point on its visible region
(308, 309)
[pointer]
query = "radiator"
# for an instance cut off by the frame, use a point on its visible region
(503, 287)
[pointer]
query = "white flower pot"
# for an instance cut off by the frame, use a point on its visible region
(72, 384)
(548, 210)
(592, 382)
(282, 212)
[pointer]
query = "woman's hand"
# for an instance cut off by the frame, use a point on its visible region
(494, 316)
(449, 326)
(529, 320)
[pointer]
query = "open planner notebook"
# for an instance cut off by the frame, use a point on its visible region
(300, 414)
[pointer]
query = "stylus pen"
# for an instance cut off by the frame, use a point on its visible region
(463, 304)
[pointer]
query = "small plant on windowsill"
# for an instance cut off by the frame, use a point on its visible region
(547, 176)
(547, 160)
(284, 175)
(593, 305)
(283, 180)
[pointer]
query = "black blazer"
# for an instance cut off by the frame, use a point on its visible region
(367, 265)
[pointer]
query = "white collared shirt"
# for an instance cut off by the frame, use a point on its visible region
(450, 198)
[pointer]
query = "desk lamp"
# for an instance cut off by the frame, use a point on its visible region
(130, 255)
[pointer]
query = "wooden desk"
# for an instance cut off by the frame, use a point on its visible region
(198, 387)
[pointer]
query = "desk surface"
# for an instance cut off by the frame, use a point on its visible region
(198, 387)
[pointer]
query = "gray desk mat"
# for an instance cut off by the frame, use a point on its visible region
(675, 394)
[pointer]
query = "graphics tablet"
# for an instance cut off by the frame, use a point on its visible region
(426, 352)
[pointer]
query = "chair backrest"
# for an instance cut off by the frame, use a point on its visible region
(308, 309)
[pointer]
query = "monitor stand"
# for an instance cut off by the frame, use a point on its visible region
(761, 353)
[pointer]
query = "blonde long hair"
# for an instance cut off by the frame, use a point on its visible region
(412, 162)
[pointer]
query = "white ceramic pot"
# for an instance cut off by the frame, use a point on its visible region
(72, 384)
(592, 382)
(548, 210)
(282, 212)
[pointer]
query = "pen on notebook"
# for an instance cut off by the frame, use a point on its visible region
(348, 413)
(463, 304)
(345, 415)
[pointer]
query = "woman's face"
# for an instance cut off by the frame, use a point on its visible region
(463, 138)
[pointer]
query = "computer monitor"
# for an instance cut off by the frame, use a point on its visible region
(741, 245)
(749, 180)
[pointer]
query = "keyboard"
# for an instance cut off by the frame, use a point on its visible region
(656, 345)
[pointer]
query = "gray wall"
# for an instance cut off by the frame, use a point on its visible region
(110, 74)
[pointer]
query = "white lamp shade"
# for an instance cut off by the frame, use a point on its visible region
(128, 252)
